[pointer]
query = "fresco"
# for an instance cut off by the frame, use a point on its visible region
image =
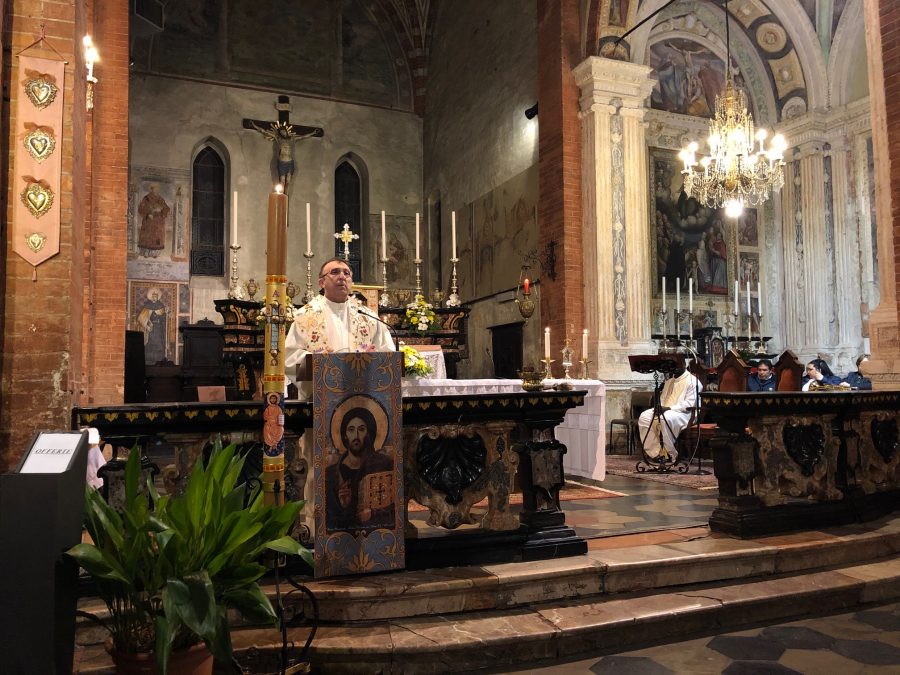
(153, 308)
(690, 77)
(159, 224)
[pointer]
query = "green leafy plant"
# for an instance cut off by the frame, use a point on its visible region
(413, 363)
(419, 315)
(169, 567)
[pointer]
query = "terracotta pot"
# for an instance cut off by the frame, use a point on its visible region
(196, 660)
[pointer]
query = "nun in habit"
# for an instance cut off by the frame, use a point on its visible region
(679, 395)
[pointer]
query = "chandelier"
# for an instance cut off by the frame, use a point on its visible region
(739, 170)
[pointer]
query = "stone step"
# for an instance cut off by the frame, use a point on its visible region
(706, 583)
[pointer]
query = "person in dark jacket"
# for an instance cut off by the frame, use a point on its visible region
(818, 371)
(763, 379)
(856, 379)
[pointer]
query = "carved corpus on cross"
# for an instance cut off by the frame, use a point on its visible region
(283, 135)
(346, 236)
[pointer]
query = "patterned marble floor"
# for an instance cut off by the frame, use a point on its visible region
(646, 507)
(866, 641)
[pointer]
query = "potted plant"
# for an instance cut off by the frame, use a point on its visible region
(169, 567)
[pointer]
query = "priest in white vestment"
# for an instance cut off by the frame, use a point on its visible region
(334, 322)
(678, 397)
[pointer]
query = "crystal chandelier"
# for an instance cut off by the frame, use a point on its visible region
(738, 171)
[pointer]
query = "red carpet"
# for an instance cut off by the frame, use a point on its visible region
(571, 492)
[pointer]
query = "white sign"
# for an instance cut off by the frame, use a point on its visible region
(51, 453)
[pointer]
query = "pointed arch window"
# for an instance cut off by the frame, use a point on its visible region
(208, 215)
(348, 209)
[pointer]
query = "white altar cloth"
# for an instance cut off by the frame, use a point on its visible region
(583, 431)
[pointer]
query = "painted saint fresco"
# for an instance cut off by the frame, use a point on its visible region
(154, 311)
(690, 77)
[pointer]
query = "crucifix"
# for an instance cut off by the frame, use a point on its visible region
(346, 236)
(283, 134)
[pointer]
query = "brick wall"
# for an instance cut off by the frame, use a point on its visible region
(889, 14)
(63, 334)
(559, 149)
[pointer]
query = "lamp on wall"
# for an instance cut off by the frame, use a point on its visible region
(91, 56)
(737, 171)
(531, 112)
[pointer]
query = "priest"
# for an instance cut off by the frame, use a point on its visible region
(334, 321)
(659, 428)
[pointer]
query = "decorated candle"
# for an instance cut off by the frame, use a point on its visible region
(276, 233)
(383, 238)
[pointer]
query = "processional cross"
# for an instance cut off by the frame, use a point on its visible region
(346, 236)
(283, 134)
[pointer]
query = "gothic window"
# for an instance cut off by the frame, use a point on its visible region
(348, 209)
(208, 215)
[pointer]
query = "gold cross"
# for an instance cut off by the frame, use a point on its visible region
(346, 236)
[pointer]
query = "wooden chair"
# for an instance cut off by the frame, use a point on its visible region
(694, 438)
(788, 372)
(640, 401)
(733, 373)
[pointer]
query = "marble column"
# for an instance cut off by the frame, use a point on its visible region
(617, 274)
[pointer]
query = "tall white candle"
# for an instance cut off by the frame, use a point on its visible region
(759, 298)
(678, 294)
(748, 297)
(584, 344)
(308, 231)
(383, 238)
(735, 297)
(664, 293)
(691, 295)
(417, 236)
(453, 233)
(547, 344)
(234, 218)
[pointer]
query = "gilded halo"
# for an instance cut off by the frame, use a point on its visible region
(41, 91)
(40, 143)
(37, 198)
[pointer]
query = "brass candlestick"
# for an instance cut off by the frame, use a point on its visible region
(234, 290)
(584, 368)
(384, 300)
(453, 300)
(547, 373)
(309, 295)
(525, 305)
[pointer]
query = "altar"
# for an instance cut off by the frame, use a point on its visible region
(518, 448)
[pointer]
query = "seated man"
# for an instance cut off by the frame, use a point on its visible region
(335, 321)
(763, 379)
(856, 379)
(679, 395)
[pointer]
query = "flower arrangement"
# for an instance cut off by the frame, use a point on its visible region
(419, 315)
(413, 363)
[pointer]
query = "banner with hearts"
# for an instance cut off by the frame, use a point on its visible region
(39, 89)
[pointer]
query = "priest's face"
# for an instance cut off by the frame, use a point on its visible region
(337, 281)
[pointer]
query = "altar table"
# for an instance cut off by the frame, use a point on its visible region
(583, 431)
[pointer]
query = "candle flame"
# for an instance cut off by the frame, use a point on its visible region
(279, 188)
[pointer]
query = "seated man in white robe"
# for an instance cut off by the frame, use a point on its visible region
(678, 397)
(333, 322)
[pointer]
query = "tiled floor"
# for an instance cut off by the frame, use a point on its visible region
(867, 641)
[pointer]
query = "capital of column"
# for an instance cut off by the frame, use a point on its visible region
(603, 81)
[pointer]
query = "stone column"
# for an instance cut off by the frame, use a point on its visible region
(882, 38)
(615, 213)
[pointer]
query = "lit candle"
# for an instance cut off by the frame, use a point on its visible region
(748, 297)
(735, 297)
(547, 345)
(527, 285)
(308, 232)
(584, 344)
(417, 236)
(453, 234)
(678, 295)
(383, 239)
(276, 233)
(234, 218)
(759, 298)
(664, 293)
(691, 295)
